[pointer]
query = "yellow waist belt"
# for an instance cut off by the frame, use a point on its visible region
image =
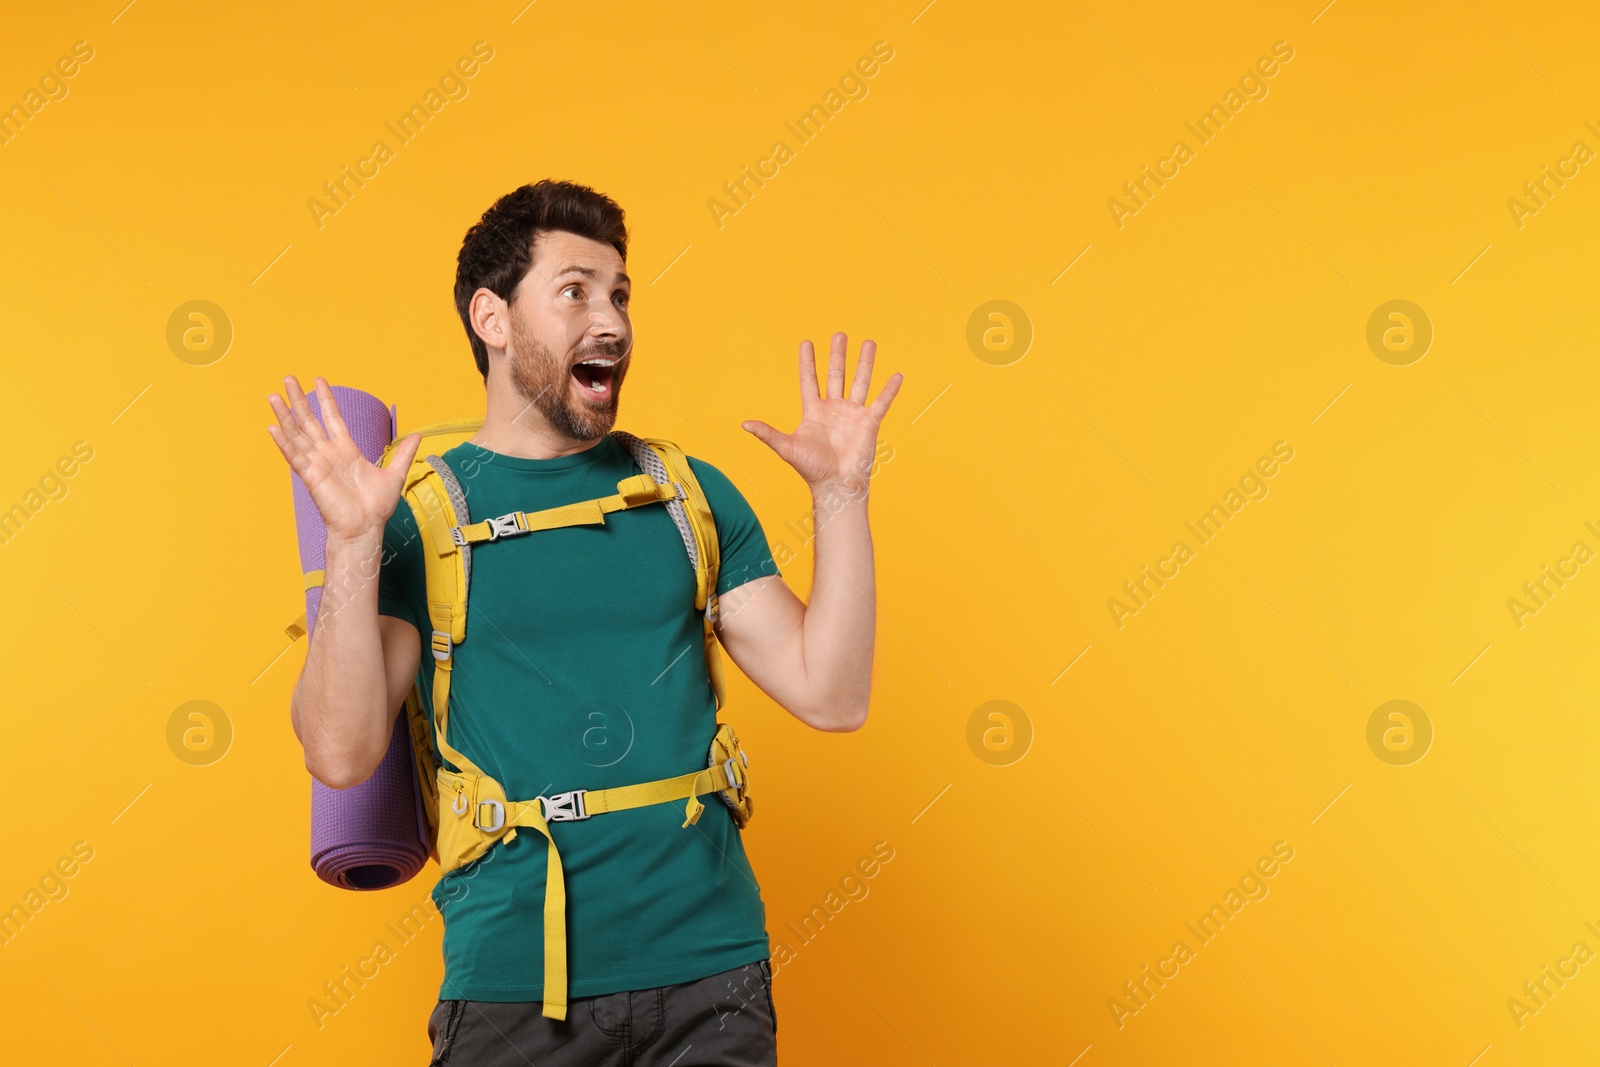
(474, 814)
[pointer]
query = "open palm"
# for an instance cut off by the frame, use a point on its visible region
(837, 435)
(354, 495)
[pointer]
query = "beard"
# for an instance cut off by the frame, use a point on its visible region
(544, 380)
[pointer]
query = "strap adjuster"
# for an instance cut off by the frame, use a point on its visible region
(441, 645)
(499, 810)
(563, 807)
(645, 490)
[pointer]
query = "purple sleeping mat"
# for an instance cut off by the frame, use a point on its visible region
(373, 835)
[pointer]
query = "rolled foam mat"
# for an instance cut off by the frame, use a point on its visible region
(373, 835)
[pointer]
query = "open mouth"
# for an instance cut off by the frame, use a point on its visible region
(594, 376)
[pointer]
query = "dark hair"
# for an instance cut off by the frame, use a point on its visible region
(498, 250)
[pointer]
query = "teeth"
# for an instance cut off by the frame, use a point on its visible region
(597, 362)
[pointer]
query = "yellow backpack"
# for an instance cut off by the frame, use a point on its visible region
(468, 811)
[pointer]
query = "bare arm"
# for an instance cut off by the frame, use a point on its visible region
(358, 667)
(816, 659)
(357, 672)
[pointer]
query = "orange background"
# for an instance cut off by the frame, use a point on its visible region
(1229, 313)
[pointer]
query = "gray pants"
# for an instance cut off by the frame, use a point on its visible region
(724, 1020)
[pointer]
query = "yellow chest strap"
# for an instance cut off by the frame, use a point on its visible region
(631, 492)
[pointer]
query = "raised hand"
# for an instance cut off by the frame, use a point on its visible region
(834, 443)
(354, 495)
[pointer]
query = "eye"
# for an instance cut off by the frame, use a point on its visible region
(621, 298)
(571, 287)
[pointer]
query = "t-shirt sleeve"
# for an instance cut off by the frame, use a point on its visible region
(741, 542)
(400, 573)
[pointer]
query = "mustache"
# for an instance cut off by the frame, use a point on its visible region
(620, 349)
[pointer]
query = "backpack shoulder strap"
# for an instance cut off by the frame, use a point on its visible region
(437, 502)
(666, 462)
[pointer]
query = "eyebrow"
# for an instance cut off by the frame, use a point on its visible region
(588, 272)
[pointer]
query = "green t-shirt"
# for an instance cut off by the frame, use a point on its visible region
(583, 667)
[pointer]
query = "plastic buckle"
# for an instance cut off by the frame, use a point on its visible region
(507, 525)
(499, 815)
(441, 645)
(458, 537)
(727, 766)
(564, 807)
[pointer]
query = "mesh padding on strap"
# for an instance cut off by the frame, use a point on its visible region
(458, 500)
(650, 463)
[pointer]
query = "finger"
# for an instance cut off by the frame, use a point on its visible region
(331, 418)
(404, 452)
(808, 375)
(772, 437)
(305, 419)
(279, 409)
(880, 406)
(289, 453)
(308, 448)
(310, 425)
(293, 435)
(836, 354)
(863, 379)
(299, 459)
(313, 445)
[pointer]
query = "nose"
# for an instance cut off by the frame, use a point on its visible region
(606, 322)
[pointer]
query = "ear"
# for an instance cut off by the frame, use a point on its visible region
(490, 318)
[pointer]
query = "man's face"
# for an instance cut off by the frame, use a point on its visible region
(571, 337)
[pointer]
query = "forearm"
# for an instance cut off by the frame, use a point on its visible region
(338, 705)
(840, 618)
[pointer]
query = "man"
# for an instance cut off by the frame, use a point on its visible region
(582, 670)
